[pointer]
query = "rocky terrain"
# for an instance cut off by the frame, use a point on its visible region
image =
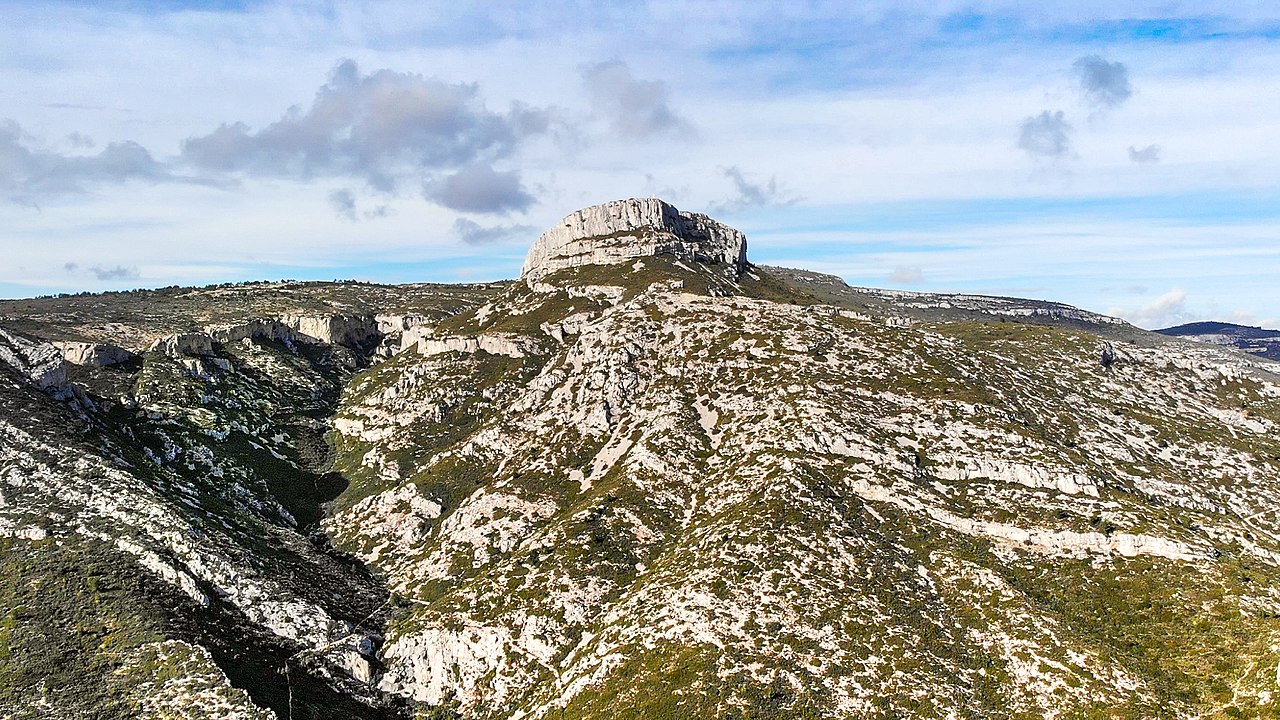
(1254, 340)
(647, 480)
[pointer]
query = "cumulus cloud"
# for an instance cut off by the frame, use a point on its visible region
(905, 275)
(1165, 311)
(383, 127)
(1104, 84)
(29, 173)
(119, 272)
(749, 194)
(1145, 156)
(635, 109)
(1046, 136)
(473, 233)
(480, 189)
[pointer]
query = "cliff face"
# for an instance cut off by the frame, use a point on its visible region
(617, 231)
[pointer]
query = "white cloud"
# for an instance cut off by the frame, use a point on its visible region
(1165, 311)
(906, 275)
(473, 233)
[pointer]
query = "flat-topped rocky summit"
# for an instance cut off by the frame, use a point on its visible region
(618, 231)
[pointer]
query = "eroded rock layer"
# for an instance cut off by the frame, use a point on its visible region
(617, 231)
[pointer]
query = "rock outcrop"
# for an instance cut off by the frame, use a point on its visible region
(183, 344)
(267, 330)
(354, 331)
(39, 362)
(346, 330)
(93, 354)
(391, 324)
(640, 227)
(427, 343)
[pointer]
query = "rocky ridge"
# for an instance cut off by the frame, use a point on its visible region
(652, 487)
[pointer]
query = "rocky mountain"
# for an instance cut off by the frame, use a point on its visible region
(648, 479)
(1254, 340)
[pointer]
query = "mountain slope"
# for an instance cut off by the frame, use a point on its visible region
(728, 506)
(163, 503)
(648, 480)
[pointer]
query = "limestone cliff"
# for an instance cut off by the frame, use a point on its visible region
(617, 231)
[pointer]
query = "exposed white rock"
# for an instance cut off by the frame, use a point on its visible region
(432, 664)
(618, 231)
(391, 324)
(968, 467)
(348, 330)
(261, 329)
(93, 354)
(175, 680)
(184, 344)
(40, 362)
(494, 344)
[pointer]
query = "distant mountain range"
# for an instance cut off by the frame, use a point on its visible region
(1255, 340)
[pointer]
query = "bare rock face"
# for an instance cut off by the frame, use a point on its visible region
(193, 344)
(347, 330)
(93, 354)
(257, 329)
(640, 227)
(39, 362)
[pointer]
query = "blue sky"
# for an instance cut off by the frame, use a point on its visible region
(1119, 156)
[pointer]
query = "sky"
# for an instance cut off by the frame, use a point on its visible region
(1123, 157)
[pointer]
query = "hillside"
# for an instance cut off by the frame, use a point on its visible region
(1253, 340)
(647, 480)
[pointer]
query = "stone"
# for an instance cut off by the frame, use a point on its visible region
(618, 231)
